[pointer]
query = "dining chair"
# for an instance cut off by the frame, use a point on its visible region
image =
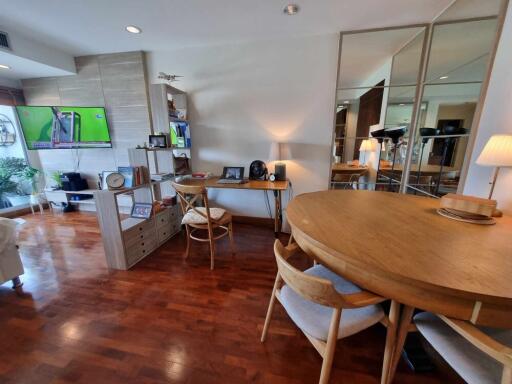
(203, 218)
(479, 355)
(316, 300)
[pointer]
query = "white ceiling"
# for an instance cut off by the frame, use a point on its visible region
(81, 27)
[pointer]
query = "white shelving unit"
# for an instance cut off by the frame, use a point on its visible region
(128, 240)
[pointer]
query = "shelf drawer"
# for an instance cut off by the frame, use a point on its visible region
(138, 251)
(164, 233)
(138, 229)
(136, 239)
(162, 218)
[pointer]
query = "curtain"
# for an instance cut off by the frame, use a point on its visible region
(11, 96)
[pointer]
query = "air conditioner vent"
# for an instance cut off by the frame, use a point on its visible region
(4, 40)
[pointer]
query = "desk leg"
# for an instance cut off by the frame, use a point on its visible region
(403, 329)
(278, 219)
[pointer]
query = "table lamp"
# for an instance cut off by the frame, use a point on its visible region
(496, 153)
(366, 146)
(280, 152)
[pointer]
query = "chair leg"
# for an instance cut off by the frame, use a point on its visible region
(332, 338)
(231, 238)
(187, 251)
(270, 309)
(506, 377)
(212, 247)
(394, 313)
(32, 208)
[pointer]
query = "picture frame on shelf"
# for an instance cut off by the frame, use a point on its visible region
(158, 141)
(141, 210)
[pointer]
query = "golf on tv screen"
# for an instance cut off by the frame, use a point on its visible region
(64, 127)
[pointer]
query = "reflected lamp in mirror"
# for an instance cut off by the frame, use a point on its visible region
(280, 152)
(364, 150)
(496, 153)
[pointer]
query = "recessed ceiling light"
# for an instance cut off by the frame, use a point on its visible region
(443, 77)
(346, 102)
(401, 104)
(3, 66)
(291, 9)
(133, 29)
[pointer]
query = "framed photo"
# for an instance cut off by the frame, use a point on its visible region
(158, 141)
(142, 210)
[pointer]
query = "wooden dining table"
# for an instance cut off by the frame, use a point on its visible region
(397, 246)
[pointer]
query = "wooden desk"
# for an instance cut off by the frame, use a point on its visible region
(397, 246)
(262, 185)
(426, 169)
(344, 168)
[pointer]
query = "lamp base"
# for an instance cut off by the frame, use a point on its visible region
(280, 171)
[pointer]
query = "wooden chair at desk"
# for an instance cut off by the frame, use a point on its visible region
(316, 299)
(203, 218)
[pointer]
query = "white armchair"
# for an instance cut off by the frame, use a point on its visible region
(11, 267)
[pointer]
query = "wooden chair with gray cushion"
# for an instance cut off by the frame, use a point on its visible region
(479, 355)
(316, 300)
(196, 218)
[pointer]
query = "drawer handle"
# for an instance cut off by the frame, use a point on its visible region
(140, 228)
(143, 251)
(141, 236)
(142, 243)
(165, 233)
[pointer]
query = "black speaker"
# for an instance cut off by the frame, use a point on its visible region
(280, 171)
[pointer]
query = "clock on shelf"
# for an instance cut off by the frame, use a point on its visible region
(115, 180)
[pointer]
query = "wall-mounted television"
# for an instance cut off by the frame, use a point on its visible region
(64, 127)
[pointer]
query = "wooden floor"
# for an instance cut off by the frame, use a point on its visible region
(165, 321)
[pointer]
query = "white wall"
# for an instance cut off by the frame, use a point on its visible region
(244, 96)
(496, 118)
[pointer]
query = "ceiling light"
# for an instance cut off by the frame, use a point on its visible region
(346, 102)
(133, 29)
(3, 66)
(291, 9)
(443, 77)
(401, 104)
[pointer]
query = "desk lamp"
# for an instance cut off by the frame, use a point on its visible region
(280, 152)
(496, 153)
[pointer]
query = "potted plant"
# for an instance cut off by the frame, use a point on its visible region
(13, 171)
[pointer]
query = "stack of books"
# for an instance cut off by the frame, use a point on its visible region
(133, 176)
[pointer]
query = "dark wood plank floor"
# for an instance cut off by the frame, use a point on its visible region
(168, 320)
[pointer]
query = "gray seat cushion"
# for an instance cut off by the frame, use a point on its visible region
(469, 362)
(314, 319)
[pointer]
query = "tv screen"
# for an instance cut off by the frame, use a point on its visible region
(64, 127)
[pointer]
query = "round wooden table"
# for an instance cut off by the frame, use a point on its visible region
(397, 246)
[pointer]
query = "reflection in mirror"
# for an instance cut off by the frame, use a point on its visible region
(441, 142)
(406, 63)
(366, 57)
(460, 51)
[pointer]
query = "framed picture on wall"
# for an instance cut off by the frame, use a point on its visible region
(158, 141)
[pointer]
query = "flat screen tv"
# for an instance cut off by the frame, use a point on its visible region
(64, 127)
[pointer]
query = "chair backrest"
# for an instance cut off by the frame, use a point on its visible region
(315, 288)
(311, 288)
(189, 196)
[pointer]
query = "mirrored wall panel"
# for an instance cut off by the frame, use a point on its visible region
(406, 100)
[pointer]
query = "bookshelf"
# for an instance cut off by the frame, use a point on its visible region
(128, 240)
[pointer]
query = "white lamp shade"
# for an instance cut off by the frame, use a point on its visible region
(280, 151)
(366, 145)
(274, 152)
(497, 152)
